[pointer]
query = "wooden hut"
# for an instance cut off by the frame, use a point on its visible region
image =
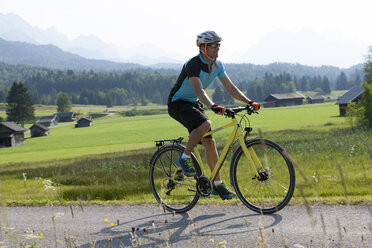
(11, 134)
(315, 99)
(352, 95)
(38, 130)
(84, 122)
(281, 100)
(66, 116)
(47, 121)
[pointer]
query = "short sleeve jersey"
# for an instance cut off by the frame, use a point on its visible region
(195, 67)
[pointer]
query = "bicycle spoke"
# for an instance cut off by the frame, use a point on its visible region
(170, 186)
(269, 188)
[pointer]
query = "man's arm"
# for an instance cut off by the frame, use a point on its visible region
(233, 90)
(200, 92)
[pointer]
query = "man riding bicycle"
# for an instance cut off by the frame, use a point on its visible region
(185, 104)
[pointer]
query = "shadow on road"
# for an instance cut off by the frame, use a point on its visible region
(181, 229)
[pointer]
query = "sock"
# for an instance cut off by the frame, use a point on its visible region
(184, 156)
(216, 183)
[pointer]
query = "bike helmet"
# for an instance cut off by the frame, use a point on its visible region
(207, 37)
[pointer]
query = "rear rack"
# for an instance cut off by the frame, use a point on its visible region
(173, 141)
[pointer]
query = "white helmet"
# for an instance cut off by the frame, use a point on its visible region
(207, 37)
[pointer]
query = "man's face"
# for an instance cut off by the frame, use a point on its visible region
(212, 49)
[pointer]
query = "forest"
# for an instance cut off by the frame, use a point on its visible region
(153, 85)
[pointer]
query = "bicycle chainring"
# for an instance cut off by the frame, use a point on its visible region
(204, 186)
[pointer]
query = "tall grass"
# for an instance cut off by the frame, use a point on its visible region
(109, 161)
(123, 176)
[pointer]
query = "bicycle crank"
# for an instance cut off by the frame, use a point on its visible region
(204, 186)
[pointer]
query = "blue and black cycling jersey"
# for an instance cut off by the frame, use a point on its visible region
(195, 67)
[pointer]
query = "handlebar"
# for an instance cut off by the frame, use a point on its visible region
(232, 111)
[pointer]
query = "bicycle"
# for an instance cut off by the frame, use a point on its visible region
(261, 172)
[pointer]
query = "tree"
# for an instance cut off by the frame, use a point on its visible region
(326, 85)
(19, 105)
(227, 98)
(63, 102)
(2, 96)
(366, 100)
(218, 95)
(304, 84)
(354, 114)
(341, 82)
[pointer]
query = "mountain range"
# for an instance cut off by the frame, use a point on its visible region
(277, 46)
(330, 48)
(50, 56)
(14, 28)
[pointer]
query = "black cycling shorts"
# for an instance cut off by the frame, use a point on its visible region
(190, 115)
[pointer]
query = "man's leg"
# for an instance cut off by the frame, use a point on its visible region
(211, 154)
(196, 135)
(212, 158)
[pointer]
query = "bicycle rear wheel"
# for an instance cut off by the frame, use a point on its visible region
(269, 188)
(169, 185)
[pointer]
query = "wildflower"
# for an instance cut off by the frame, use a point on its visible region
(29, 235)
(24, 174)
(48, 184)
(106, 219)
(222, 244)
(112, 224)
(58, 215)
(40, 235)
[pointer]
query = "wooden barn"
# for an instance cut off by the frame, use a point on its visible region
(38, 130)
(281, 100)
(11, 134)
(66, 116)
(352, 95)
(315, 99)
(84, 122)
(47, 121)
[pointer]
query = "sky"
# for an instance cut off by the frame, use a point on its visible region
(173, 24)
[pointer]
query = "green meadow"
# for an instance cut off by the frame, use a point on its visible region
(108, 162)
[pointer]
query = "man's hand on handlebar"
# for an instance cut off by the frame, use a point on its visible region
(218, 109)
(255, 105)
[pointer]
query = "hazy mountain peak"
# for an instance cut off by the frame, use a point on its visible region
(314, 48)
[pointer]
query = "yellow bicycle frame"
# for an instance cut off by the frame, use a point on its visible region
(237, 133)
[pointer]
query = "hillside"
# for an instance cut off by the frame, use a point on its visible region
(49, 56)
(52, 57)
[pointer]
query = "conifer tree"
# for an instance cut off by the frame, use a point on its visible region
(366, 100)
(19, 105)
(326, 85)
(218, 95)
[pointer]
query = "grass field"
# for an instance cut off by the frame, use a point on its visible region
(108, 162)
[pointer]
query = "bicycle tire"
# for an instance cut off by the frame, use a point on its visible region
(270, 191)
(180, 198)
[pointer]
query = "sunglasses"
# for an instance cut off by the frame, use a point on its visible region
(214, 45)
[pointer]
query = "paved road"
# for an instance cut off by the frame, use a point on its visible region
(329, 226)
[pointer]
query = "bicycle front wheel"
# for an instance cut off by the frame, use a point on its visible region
(170, 186)
(264, 188)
